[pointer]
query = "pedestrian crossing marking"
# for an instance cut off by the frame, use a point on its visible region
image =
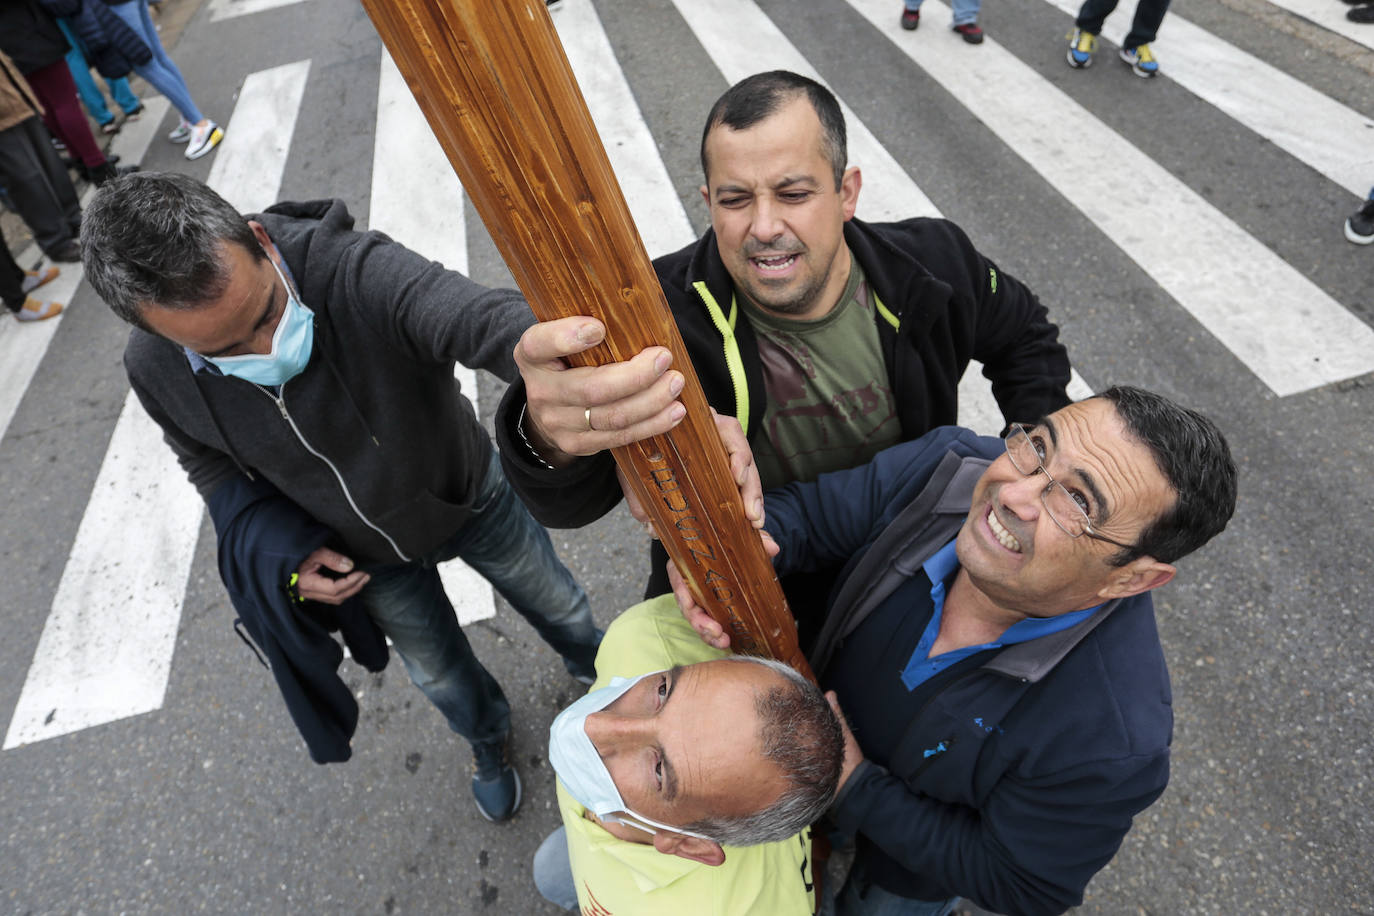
(106, 649)
(741, 39)
(1281, 325)
(658, 213)
(1310, 126)
(259, 133)
(1331, 16)
(409, 166)
(231, 9)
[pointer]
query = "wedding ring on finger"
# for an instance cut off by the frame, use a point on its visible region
(587, 415)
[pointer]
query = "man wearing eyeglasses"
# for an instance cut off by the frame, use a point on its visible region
(992, 641)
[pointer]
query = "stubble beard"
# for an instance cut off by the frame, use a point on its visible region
(799, 302)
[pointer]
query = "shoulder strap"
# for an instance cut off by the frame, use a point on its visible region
(918, 531)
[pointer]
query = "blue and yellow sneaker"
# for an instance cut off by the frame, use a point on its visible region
(1081, 47)
(1142, 61)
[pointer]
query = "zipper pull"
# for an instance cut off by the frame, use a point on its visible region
(281, 406)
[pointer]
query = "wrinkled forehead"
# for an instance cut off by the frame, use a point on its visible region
(1091, 436)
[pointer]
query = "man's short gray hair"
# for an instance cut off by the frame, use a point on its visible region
(801, 735)
(160, 237)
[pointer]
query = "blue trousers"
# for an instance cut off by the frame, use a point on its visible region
(552, 870)
(965, 11)
(160, 72)
(502, 542)
(860, 897)
(86, 87)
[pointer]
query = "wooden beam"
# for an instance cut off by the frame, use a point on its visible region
(497, 90)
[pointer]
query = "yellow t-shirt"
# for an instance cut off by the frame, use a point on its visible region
(618, 878)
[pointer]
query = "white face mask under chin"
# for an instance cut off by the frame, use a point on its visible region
(583, 772)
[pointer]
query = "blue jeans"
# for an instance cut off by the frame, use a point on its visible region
(965, 11)
(859, 897)
(502, 542)
(160, 72)
(552, 870)
(85, 83)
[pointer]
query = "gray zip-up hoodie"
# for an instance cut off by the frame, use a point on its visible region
(373, 439)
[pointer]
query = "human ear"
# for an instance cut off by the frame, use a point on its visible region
(1139, 575)
(849, 190)
(261, 234)
(706, 195)
(691, 848)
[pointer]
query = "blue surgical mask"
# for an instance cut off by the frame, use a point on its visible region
(581, 769)
(292, 344)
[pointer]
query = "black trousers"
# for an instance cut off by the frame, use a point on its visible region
(11, 279)
(1148, 15)
(39, 186)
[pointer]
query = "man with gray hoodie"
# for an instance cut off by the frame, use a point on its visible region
(289, 349)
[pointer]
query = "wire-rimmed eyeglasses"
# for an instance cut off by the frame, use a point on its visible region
(1065, 509)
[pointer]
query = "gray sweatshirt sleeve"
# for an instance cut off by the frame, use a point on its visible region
(433, 314)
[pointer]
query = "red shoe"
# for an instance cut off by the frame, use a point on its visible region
(972, 34)
(910, 19)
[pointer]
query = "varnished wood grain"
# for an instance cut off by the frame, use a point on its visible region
(497, 90)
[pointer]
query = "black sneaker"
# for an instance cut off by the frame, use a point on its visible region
(69, 252)
(495, 784)
(911, 19)
(1361, 13)
(108, 170)
(1359, 228)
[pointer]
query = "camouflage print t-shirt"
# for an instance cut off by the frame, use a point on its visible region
(829, 403)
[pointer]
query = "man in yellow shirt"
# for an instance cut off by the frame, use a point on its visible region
(741, 754)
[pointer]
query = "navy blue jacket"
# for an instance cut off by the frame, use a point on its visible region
(1052, 746)
(107, 43)
(263, 539)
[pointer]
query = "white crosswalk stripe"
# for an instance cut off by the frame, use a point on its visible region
(648, 189)
(1330, 16)
(231, 9)
(105, 654)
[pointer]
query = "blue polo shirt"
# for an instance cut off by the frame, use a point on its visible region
(940, 570)
(882, 673)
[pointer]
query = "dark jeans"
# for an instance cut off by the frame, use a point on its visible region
(860, 897)
(39, 186)
(502, 542)
(1148, 15)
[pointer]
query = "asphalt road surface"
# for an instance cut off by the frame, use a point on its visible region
(1184, 232)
